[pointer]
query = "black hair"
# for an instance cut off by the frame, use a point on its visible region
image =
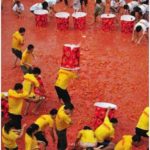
(30, 47)
(98, 1)
(138, 28)
(53, 111)
(18, 86)
(69, 106)
(126, 7)
(87, 128)
(89, 148)
(22, 30)
(137, 9)
(45, 5)
(136, 138)
(8, 126)
(36, 70)
(32, 128)
(113, 120)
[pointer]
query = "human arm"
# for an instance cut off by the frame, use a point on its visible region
(78, 138)
(52, 134)
(141, 37)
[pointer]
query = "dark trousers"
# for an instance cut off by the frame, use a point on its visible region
(141, 132)
(11, 148)
(62, 139)
(16, 119)
(25, 69)
(63, 94)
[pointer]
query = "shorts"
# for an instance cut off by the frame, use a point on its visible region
(17, 53)
(63, 94)
(25, 70)
(141, 132)
(11, 148)
(99, 10)
(87, 144)
(103, 144)
(16, 119)
(40, 137)
(85, 2)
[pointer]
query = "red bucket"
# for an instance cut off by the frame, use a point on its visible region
(62, 19)
(71, 57)
(41, 18)
(79, 19)
(127, 23)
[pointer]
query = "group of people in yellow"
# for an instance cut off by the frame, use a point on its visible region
(60, 120)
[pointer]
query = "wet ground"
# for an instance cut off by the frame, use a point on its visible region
(113, 69)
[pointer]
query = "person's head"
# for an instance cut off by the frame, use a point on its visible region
(87, 128)
(33, 128)
(8, 126)
(53, 113)
(22, 30)
(45, 5)
(98, 1)
(114, 121)
(18, 87)
(126, 7)
(36, 71)
(138, 29)
(68, 108)
(136, 140)
(30, 48)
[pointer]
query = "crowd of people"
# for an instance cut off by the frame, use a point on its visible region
(32, 90)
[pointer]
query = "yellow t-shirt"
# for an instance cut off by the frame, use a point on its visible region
(9, 139)
(143, 122)
(87, 136)
(17, 40)
(125, 143)
(44, 121)
(30, 142)
(26, 58)
(64, 77)
(15, 101)
(105, 130)
(29, 83)
(62, 119)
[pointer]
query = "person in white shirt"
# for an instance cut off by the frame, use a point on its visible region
(140, 30)
(129, 7)
(18, 8)
(116, 5)
(39, 6)
(51, 4)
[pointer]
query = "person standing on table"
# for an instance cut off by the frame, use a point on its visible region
(29, 83)
(127, 142)
(44, 121)
(31, 143)
(63, 121)
(86, 138)
(15, 103)
(99, 9)
(140, 30)
(18, 8)
(10, 135)
(105, 133)
(142, 126)
(17, 43)
(129, 7)
(26, 60)
(63, 78)
(39, 6)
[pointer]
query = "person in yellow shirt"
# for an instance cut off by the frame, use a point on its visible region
(63, 78)
(63, 121)
(127, 142)
(15, 103)
(44, 121)
(31, 143)
(26, 60)
(17, 43)
(10, 135)
(86, 138)
(29, 83)
(142, 126)
(105, 133)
